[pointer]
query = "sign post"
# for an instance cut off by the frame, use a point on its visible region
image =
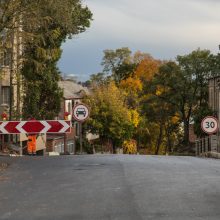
(80, 114)
(210, 125)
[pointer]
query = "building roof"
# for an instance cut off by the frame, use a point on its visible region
(72, 90)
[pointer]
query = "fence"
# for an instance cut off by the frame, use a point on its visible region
(207, 144)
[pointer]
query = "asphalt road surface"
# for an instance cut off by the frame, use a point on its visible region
(108, 187)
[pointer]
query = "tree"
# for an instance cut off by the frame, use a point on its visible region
(42, 51)
(72, 13)
(163, 121)
(41, 26)
(186, 85)
(136, 88)
(110, 116)
(10, 10)
(96, 79)
(117, 63)
(146, 68)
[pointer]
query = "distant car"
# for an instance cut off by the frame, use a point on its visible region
(81, 111)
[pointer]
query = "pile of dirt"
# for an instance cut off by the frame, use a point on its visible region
(11, 150)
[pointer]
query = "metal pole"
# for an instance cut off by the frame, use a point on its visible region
(3, 142)
(21, 147)
(65, 143)
(80, 137)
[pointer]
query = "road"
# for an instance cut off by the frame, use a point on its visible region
(110, 187)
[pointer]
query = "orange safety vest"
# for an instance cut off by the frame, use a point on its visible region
(31, 145)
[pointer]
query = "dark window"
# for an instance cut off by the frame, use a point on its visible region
(69, 107)
(5, 95)
(5, 58)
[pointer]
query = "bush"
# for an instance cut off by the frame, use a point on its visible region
(130, 147)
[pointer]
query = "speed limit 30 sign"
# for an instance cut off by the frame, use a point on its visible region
(210, 125)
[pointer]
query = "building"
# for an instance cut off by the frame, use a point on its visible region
(214, 95)
(73, 93)
(211, 143)
(11, 90)
(11, 104)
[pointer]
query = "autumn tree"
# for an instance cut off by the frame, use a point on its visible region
(132, 81)
(186, 83)
(110, 116)
(146, 68)
(163, 120)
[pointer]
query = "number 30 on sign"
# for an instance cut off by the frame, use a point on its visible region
(210, 125)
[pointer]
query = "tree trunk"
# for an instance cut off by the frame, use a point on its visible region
(169, 143)
(186, 133)
(159, 140)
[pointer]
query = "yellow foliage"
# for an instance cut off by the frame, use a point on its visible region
(161, 89)
(133, 84)
(134, 117)
(175, 119)
(159, 92)
(147, 68)
(130, 147)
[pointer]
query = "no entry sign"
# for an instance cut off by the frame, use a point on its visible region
(210, 125)
(24, 127)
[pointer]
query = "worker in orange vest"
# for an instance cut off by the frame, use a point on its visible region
(32, 140)
(31, 144)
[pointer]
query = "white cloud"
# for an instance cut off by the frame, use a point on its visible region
(163, 28)
(155, 20)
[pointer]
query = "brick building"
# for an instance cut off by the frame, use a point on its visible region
(72, 95)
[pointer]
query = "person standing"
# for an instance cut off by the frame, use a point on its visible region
(31, 144)
(32, 140)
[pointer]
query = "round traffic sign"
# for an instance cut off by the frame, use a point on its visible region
(210, 125)
(80, 112)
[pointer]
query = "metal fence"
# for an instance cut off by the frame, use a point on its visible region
(207, 144)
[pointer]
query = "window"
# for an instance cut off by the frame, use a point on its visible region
(5, 95)
(5, 58)
(69, 107)
(1, 58)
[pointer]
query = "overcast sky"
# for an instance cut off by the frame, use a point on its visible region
(163, 28)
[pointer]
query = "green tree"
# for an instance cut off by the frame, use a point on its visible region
(110, 116)
(96, 79)
(10, 10)
(117, 63)
(186, 85)
(162, 118)
(42, 51)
